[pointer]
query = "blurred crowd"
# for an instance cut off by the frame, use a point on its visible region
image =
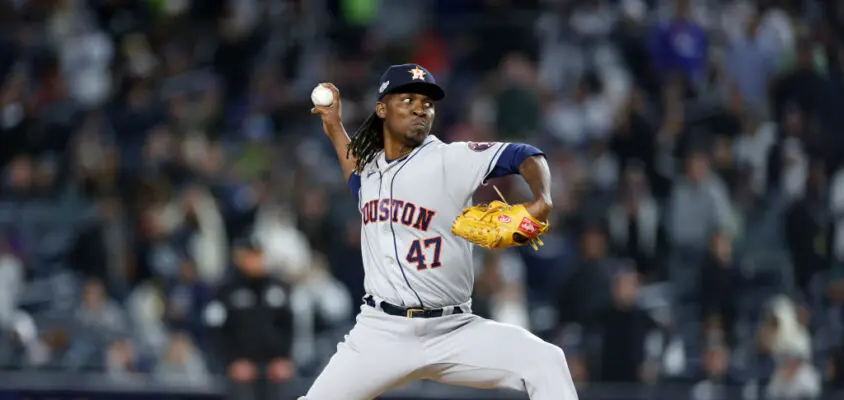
(695, 147)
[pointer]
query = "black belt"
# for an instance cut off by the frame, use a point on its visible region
(409, 312)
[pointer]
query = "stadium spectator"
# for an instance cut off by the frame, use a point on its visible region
(679, 46)
(499, 294)
(751, 149)
(716, 380)
(808, 228)
(801, 86)
(204, 231)
(836, 199)
(253, 323)
(519, 94)
(145, 305)
(795, 378)
(578, 301)
(123, 363)
(785, 338)
(99, 313)
(635, 225)
(724, 164)
(18, 183)
(182, 363)
(288, 253)
(751, 61)
(788, 159)
(832, 373)
(587, 116)
(11, 284)
(185, 299)
(720, 274)
(98, 250)
(698, 205)
(625, 326)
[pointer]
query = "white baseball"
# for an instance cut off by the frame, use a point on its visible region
(322, 96)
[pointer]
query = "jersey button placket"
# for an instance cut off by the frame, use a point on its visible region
(385, 226)
(385, 238)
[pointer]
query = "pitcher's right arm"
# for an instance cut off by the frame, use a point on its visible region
(332, 124)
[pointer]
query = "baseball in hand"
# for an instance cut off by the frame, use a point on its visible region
(322, 96)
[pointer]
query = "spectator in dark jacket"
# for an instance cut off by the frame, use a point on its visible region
(625, 327)
(720, 276)
(801, 86)
(186, 297)
(808, 228)
(585, 293)
(635, 225)
(253, 322)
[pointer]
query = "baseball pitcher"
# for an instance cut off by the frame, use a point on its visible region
(414, 194)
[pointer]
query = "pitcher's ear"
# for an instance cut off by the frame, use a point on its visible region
(381, 110)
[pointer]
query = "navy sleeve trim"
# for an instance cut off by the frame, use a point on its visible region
(512, 158)
(354, 186)
(491, 167)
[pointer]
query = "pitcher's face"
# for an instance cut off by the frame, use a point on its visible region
(407, 116)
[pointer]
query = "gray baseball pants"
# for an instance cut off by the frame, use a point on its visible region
(383, 351)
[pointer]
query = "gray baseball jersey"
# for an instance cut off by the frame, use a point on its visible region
(407, 206)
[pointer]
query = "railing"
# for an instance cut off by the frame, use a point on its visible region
(23, 385)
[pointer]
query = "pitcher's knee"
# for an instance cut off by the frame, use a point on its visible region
(555, 359)
(547, 362)
(547, 376)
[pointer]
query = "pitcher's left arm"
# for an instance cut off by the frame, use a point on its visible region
(529, 162)
(537, 174)
(498, 224)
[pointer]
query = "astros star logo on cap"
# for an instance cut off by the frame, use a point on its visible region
(418, 73)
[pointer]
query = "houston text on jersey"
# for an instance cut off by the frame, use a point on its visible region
(395, 210)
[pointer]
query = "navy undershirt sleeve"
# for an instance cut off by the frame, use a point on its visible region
(511, 159)
(354, 185)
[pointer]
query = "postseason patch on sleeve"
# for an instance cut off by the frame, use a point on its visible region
(480, 146)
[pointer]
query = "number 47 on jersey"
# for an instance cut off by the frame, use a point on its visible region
(420, 247)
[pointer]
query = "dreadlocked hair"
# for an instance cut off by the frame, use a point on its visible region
(367, 142)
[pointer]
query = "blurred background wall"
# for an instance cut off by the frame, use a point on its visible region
(697, 248)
